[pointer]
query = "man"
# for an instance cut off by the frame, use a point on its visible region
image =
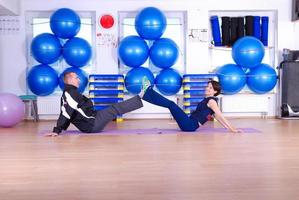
(78, 109)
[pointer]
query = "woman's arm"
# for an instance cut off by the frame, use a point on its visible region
(219, 116)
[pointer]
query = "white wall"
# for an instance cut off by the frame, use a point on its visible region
(11, 7)
(13, 48)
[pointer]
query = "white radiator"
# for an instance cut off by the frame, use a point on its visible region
(48, 105)
(49, 108)
(241, 103)
(245, 103)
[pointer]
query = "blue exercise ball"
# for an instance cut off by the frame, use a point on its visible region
(232, 78)
(164, 53)
(150, 23)
(133, 51)
(77, 52)
(261, 79)
(46, 48)
(168, 81)
(248, 52)
(42, 80)
(133, 79)
(80, 73)
(65, 23)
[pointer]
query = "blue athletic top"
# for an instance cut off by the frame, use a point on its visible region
(203, 111)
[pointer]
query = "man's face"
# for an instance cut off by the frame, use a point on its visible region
(74, 80)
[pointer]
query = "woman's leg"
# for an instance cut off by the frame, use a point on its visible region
(182, 119)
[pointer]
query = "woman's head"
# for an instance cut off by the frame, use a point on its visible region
(213, 88)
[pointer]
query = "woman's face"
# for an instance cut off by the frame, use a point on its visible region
(210, 90)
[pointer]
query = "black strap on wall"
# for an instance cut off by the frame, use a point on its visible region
(241, 30)
(233, 30)
(225, 31)
(249, 25)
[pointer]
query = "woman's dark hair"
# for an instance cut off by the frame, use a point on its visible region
(216, 87)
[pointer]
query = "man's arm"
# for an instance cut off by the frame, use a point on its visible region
(66, 111)
(62, 124)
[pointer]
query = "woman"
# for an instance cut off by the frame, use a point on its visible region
(208, 106)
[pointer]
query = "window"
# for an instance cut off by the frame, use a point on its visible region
(39, 22)
(175, 30)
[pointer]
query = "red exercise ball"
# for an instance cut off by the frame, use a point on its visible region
(107, 21)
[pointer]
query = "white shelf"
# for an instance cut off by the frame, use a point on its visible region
(223, 48)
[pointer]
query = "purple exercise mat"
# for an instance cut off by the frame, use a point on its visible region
(202, 130)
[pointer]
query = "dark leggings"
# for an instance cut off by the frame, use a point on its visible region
(183, 120)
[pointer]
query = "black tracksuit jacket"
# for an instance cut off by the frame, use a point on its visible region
(76, 109)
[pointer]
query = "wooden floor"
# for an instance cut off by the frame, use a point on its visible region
(263, 166)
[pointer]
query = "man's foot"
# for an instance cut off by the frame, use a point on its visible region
(145, 84)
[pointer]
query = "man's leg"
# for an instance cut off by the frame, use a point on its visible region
(103, 117)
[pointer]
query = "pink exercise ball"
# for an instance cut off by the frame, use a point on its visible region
(12, 110)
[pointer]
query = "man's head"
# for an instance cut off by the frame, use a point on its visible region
(71, 78)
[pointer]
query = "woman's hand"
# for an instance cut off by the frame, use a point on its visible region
(222, 120)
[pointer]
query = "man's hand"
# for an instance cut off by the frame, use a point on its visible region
(236, 131)
(51, 134)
